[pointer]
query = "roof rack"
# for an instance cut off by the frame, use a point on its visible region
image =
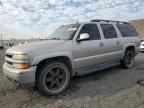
(98, 20)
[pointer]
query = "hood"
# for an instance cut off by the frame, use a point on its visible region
(19, 49)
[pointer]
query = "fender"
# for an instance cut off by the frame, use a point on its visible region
(128, 45)
(40, 58)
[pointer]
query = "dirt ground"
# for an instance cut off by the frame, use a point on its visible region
(111, 88)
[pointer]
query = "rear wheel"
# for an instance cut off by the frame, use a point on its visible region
(53, 79)
(128, 60)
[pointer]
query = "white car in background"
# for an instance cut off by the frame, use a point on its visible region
(142, 39)
(142, 46)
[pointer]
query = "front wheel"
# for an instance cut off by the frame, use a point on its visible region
(53, 79)
(128, 60)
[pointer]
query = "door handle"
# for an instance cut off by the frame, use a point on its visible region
(101, 44)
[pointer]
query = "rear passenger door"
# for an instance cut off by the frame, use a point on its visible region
(112, 48)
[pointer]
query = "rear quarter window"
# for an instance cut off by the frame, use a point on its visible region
(127, 30)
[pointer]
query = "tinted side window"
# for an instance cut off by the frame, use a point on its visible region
(109, 31)
(127, 30)
(92, 30)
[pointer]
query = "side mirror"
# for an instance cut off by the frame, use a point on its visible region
(83, 36)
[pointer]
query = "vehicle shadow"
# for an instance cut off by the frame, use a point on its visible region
(102, 83)
(91, 84)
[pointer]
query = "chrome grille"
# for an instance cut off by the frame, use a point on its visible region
(9, 63)
(9, 55)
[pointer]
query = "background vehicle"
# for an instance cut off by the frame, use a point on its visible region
(75, 49)
(1, 46)
(142, 39)
(142, 46)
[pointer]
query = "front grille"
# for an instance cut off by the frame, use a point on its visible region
(9, 55)
(10, 63)
(8, 59)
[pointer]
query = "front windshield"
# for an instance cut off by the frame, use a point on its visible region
(65, 32)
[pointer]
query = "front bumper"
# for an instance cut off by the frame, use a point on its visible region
(22, 76)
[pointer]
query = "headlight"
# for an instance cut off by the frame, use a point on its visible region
(20, 57)
(23, 58)
(21, 66)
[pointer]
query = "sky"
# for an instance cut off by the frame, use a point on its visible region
(39, 18)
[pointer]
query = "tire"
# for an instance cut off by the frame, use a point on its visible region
(128, 60)
(53, 79)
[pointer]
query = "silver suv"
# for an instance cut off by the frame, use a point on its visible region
(72, 50)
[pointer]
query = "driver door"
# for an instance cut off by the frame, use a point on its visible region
(86, 52)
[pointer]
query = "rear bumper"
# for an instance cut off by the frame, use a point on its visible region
(22, 76)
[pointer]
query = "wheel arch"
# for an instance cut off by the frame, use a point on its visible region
(129, 47)
(46, 60)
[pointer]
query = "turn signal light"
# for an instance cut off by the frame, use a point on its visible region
(22, 66)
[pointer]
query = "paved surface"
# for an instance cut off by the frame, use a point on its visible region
(111, 88)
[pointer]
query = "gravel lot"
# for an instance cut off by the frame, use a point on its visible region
(112, 88)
